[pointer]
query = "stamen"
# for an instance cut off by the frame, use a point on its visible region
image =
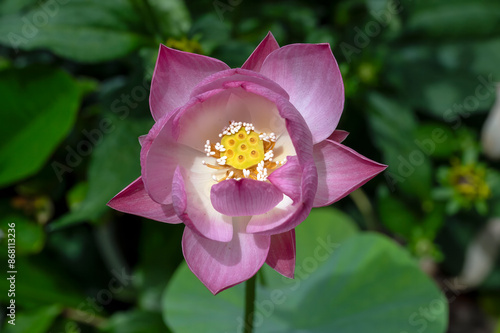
(219, 147)
(208, 148)
(238, 151)
(268, 156)
(271, 137)
(222, 160)
(214, 166)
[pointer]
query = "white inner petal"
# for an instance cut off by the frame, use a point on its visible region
(198, 187)
(284, 147)
(206, 120)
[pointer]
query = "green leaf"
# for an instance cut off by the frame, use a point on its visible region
(446, 89)
(135, 321)
(30, 237)
(212, 32)
(39, 283)
(455, 18)
(395, 215)
(393, 128)
(324, 230)
(437, 140)
(37, 321)
(369, 284)
(323, 226)
(485, 53)
(12, 6)
(376, 5)
(172, 15)
(40, 108)
(114, 164)
(82, 30)
(153, 271)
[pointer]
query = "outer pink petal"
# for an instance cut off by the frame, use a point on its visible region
(176, 74)
(288, 179)
(159, 158)
(281, 255)
(245, 197)
(195, 213)
(338, 136)
(222, 265)
(135, 200)
(265, 48)
(341, 170)
(311, 76)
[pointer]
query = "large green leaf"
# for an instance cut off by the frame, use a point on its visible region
(39, 107)
(366, 283)
(82, 30)
(12, 6)
(114, 164)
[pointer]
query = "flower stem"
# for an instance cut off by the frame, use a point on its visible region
(364, 205)
(249, 304)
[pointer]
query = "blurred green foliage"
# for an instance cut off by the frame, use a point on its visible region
(74, 83)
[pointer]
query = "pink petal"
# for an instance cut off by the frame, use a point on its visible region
(147, 140)
(176, 74)
(265, 48)
(341, 170)
(244, 197)
(160, 155)
(237, 77)
(288, 178)
(338, 136)
(311, 76)
(281, 255)
(191, 200)
(135, 200)
(222, 265)
(142, 139)
(287, 214)
(159, 158)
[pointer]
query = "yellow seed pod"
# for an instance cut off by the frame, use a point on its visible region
(243, 150)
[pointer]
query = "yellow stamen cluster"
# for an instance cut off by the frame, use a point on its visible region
(243, 153)
(242, 150)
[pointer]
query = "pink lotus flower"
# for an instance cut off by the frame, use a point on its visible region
(240, 156)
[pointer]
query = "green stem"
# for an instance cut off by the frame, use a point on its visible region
(249, 304)
(364, 205)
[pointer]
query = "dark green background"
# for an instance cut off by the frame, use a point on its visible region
(74, 85)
